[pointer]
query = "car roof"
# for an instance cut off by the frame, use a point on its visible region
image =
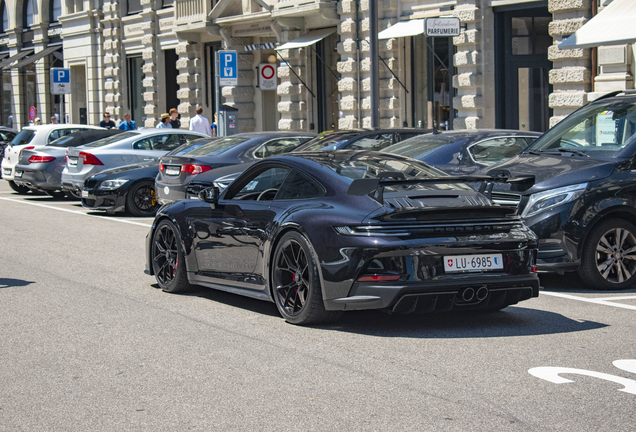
(314, 159)
(51, 127)
(471, 132)
(272, 134)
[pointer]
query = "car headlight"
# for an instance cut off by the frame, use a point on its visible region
(112, 184)
(542, 201)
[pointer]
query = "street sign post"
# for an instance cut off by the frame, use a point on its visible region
(267, 79)
(229, 68)
(32, 113)
(60, 81)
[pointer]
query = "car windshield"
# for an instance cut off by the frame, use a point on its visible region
(24, 137)
(188, 147)
(328, 140)
(111, 139)
(217, 146)
(427, 147)
(603, 128)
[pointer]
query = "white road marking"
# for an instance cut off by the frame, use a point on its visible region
(588, 300)
(617, 298)
(76, 212)
(552, 374)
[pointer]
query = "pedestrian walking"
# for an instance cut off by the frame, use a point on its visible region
(107, 122)
(127, 124)
(10, 120)
(199, 123)
(174, 118)
(165, 122)
(214, 127)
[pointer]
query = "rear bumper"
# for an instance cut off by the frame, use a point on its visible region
(168, 193)
(46, 180)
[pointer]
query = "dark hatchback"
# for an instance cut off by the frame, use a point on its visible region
(583, 204)
(360, 139)
(176, 171)
(465, 151)
(324, 232)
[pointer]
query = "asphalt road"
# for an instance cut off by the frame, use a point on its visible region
(88, 342)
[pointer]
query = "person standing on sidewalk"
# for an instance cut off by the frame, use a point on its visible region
(127, 124)
(165, 122)
(174, 119)
(199, 123)
(107, 122)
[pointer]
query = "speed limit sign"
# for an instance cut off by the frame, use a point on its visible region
(267, 76)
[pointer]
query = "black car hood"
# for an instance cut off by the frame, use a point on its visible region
(552, 171)
(130, 171)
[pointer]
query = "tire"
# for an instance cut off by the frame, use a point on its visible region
(22, 190)
(167, 259)
(608, 261)
(141, 200)
(299, 303)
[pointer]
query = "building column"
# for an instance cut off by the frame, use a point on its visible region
(112, 58)
(189, 80)
(293, 95)
(348, 66)
(241, 96)
(570, 76)
(149, 56)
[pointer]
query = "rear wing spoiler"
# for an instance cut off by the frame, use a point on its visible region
(361, 187)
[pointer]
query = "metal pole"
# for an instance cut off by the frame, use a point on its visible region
(374, 63)
(220, 131)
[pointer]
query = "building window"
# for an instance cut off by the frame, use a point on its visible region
(5, 17)
(134, 6)
(167, 3)
(56, 10)
(28, 13)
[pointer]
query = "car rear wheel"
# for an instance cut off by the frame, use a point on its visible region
(296, 285)
(167, 259)
(609, 256)
(141, 200)
(22, 190)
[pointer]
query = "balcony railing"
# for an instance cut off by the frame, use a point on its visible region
(192, 11)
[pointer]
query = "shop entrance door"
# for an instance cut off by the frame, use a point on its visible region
(522, 69)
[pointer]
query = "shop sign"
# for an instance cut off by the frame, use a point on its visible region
(267, 79)
(443, 27)
(60, 81)
(258, 29)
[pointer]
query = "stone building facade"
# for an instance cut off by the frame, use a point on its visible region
(143, 57)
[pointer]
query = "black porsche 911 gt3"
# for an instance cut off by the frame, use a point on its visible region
(325, 232)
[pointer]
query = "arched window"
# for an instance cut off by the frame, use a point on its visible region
(56, 10)
(5, 17)
(28, 13)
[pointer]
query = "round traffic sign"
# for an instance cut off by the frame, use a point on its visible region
(32, 113)
(268, 72)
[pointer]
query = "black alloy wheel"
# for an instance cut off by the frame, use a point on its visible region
(296, 285)
(608, 261)
(22, 190)
(167, 259)
(141, 200)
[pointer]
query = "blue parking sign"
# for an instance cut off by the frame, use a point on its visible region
(228, 68)
(60, 81)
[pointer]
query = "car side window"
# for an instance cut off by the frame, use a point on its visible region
(377, 142)
(495, 150)
(406, 135)
(185, 139)
(165, 142)
(261, 186)
(276, 147)
(142, 144)
(55, 135)
(298, 186)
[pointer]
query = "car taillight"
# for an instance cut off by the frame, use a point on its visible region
(378, 278)
(534, 269)
(161, 167)
(41, 159)
(195, 169)
(66, 156)
(90, 159)
(26, 148)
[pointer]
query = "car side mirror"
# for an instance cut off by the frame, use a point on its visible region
(210, 195)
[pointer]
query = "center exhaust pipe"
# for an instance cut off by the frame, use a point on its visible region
(468, 294)
(481, 293)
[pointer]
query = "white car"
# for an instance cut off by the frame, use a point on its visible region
(128, 148)
(31, 137)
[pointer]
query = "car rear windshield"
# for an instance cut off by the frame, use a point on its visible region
(188, 147)
(327, 140)
(217, 146)
(24, 137)
(597, 129)
(429, 148)
(112, 139)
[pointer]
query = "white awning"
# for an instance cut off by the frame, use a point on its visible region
(307, 39)
(614, 25)
(403, 29)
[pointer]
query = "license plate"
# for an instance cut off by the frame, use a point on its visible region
(84, 194)
(7, 171)
(18, 174)
(173, 171)
(462, 263)
(72, 161)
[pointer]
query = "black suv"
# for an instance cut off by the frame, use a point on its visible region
(583, 203)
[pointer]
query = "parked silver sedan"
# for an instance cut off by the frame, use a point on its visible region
(131, 147)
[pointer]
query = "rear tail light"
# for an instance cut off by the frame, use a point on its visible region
(26, 148)
(161, 167)
(195, 169)
(534, 269)
(41, 159)
(66, 156)
(90, 159)
(378, 278)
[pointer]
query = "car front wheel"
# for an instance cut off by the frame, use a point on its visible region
(168, 263)
(141, 200)
(609, 256)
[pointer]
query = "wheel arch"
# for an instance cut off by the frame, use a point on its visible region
(155, 224)
(620, 212)
(134, 184)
